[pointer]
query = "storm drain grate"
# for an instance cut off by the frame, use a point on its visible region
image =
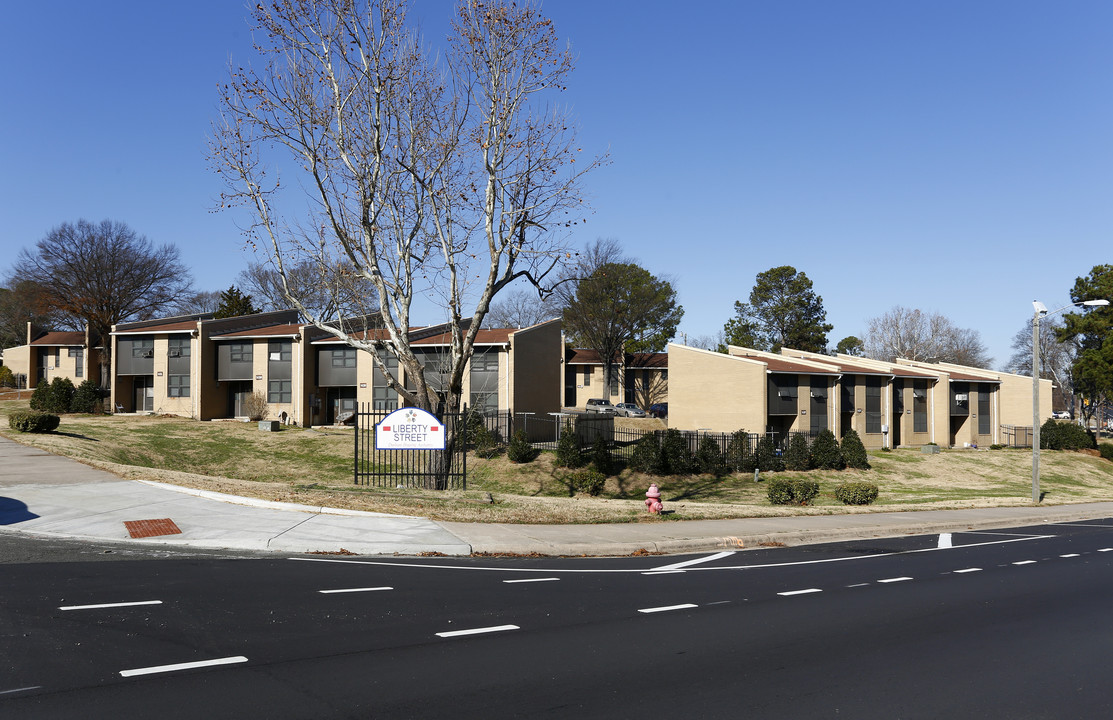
(151, 528)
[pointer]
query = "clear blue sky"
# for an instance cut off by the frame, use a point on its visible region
(949, 155)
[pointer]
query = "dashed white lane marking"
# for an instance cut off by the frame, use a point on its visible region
(110, 605)
(478, 631)
(183, 666)
(511, 582)
(1025, 562)
(945, 540)
(799, 592)
(893, 580)
(22, 689)
(1105, 550)
(696, 561)
(348, 590)
(858, 585)
(967, 570)
(1070, 555)
(667, 608)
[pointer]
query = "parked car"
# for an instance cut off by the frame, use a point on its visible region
(1061, 415)
(629, 410)
(600, 405)
(659, 410)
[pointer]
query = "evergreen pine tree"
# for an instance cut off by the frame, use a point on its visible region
(796, 456)
(854, 452)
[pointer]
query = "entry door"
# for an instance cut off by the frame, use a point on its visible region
(238, 393)
(341, 400)
(144, 386)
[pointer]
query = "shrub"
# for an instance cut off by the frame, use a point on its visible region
(7, 377)
(825, 452)
(60, 396)
(601, 457)
(796, 456)
(780, 491)
(675, 455)
(520, 449)
(487, 442)
(792, 492)
(568, 452)
(739, 457)
(854, 452)
(1106, 450)
(41, 396)
(856, 493)
(86, 398)
(33, 422)
(709, 458)
(589, 481)
(1065, 435)
(255, 406)
(646, 456)
(766, 456)
(994, 446)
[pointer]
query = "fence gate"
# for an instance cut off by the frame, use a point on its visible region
(428, 469)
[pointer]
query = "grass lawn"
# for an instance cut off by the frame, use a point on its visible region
(314, 467)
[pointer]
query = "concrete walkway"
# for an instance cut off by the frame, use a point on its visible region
(48, 494)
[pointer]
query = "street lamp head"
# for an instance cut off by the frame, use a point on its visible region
(1040, 307)
(1094, 303)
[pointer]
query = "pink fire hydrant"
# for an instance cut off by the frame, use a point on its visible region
(653, 500)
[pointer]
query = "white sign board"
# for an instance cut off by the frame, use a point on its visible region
(409, 429)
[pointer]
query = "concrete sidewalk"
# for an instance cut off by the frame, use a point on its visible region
(52, 495)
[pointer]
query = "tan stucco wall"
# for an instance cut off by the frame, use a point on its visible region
(535, 369)
(715, 391)
(19, 360)
(1016, 400)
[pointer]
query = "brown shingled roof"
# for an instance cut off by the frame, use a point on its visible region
(181, 326)
(60, 338)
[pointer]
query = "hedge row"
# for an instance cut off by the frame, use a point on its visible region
(33, 422)
(60, 396)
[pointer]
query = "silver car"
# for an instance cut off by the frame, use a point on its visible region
(629, 410)
(599, 405)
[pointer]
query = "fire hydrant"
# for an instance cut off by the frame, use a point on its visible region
(653, 500)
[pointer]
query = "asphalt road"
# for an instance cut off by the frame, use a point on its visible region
(1000, 624)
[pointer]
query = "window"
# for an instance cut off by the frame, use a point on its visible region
(919, 406)
(78, 354)
(280, 391)
(177, 385)
(144, 348)
(239, 352)
(383, 398)
(177, 366)
(485, 381)
(873, 405)
(344, 358)
(985, 414)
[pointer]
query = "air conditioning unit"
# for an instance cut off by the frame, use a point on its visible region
(175, 353)
(961, 397)
(148, 354)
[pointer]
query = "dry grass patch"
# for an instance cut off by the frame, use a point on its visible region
(314, 467)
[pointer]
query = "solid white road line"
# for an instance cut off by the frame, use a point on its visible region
(183, 666)
(511, 582)
(348, 590)
(1025, 562)
(110, 605)
(896, 579)
(22, 689)
(478, 631)
(799, 592)
(696, 561)
(967, 570)
(667, 608)
(664, 572)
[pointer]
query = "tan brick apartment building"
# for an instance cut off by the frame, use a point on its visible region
(889, 404)
(49, 354)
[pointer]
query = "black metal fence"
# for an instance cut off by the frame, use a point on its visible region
(430, 469)
(1017, 436)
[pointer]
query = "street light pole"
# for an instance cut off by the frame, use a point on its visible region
(1042, 310)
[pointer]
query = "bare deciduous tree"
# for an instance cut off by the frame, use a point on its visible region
(1056, 358)
(916, 335)
(444, 182)
(522, 308)
(104, 274)
(326, 292)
